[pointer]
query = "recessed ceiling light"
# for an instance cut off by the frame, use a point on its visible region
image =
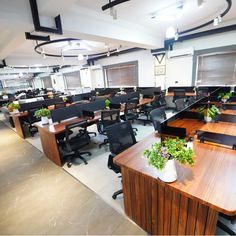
(170, 32)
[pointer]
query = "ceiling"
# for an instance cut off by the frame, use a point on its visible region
(84, 19)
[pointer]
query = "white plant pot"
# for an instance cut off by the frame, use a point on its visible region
(207, 118)
(44, 120)
(168, 174)
(224, 100)
(15, 111)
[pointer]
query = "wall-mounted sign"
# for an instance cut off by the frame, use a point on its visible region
(160, 70)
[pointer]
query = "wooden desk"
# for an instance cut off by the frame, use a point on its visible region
(188, 94)
(188, 206)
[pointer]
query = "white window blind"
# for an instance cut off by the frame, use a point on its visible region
(219, 69)
(122, 75)
(47, 82)
(73, 80)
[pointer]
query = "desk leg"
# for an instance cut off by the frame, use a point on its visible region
(158, 209)
(50, 148)
(18, 126)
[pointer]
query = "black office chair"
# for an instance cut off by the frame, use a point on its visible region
(31, 119)
(146, 109)
(120, 137)
(73, 143)
(108, 117)
(178, 93)
(225, 227)
(130, 113)
(202, 92)
(180, 104)
(191, 100)
(158, 115)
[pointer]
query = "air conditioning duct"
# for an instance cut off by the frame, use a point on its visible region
(180, 53)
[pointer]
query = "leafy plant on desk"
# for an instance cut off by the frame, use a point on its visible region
(209, 112)
(13, 106)
(43, 112)
(224, 96)
(171, 148)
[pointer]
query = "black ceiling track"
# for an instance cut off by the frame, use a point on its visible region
(113, 3)
(36, 20)
(30, 36)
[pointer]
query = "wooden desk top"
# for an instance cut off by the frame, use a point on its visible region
(192, 125)
(210, 180)
(169, 94)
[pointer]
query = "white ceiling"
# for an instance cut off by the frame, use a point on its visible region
(84, 19)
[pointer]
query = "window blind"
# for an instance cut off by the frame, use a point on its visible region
(219, 69)
(122, 75)
(47, 82)
(73, 80)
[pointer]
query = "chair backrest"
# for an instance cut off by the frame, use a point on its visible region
(180, 104)
(156, 101)
(110, 115)
(68, 128)
(191, 100)
(158, 115)
(120, 137)
(179, 92)
(130, 107)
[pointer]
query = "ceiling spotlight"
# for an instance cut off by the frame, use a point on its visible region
(80, 57)
(118, 50)
(70, 43)
(62, 57)
(176, 35)
(113, 13)
(20, 74)
(170, 32)
(44, 56)
(216, 21)
(108, 53)
(87, 57)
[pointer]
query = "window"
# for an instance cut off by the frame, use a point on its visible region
(219, 69)
(125, 74)
(73, 80)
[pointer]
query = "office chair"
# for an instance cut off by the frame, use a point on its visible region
(60, 105)
(202, 92)
(130, 113)
(178, 93)
(72, 144)
(146, 109)
(31, 120)
(180, 104)
(120, 137)
(108, 117)
(90, 115)
(158, 115)
(191, 100)
(224, 227)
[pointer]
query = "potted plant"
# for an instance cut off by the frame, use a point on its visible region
(65, 99)
(209, 113)
(13, 107)
(224, 97)
(107, 103)
(162, 156)
(43, 113)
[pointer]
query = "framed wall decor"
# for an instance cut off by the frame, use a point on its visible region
(160, 70)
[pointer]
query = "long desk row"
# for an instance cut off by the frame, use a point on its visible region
(191, 204)
(48, 133)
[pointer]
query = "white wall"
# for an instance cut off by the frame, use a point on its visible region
(145, 60)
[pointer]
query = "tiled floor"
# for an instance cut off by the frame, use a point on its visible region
(38, 197)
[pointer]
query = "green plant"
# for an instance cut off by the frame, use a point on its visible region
(65, 99)
(12, 106)
(225, 96)
(170, 148)
(43, 112)
(107, 103)
(211, 111)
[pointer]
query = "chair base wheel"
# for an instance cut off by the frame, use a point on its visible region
(69, 165)
(114, 197)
